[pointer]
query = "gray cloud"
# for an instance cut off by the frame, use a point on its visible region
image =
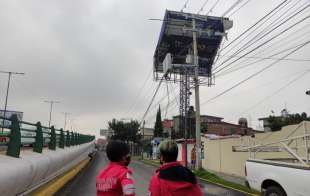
(93, 56)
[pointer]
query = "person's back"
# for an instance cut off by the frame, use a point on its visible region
(172, 179)
(115, 179)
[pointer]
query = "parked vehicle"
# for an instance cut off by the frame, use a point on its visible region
(278, 177)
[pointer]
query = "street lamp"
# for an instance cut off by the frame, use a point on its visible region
(51, 102)
(7, 91)
(66, 115)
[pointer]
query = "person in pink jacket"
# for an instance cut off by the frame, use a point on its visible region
(116, 178)
(172, 179)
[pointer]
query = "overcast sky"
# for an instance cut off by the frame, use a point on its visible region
(94, 57)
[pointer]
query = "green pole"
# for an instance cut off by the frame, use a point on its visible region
(14, 144)
(52, 143)
(38, 144)
(62, 139)
(68, 139)
(72, 139)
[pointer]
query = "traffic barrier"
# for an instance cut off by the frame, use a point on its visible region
(38, 137)
(22, 171)
(31, 169)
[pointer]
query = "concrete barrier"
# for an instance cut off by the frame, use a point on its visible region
(19, 176)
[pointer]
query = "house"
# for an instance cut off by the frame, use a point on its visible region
(211, 125)
(167, 126)
(205, 119)
(225, 129)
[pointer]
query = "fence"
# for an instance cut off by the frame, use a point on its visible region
(38, 137)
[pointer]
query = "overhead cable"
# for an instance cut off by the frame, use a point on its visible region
(150, 104)
(231, 8)
(262, 44)
(202, 7)
(261, 34)
(271, 57)
(255, 74)
(184, 5)
(213, 6)
(140, 92)
(238, 8)
(277, 91)
(256, 23)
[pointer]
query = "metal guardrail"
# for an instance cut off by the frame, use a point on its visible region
(38, 137)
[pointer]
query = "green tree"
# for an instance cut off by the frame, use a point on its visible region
(276, 123)
(158, 129)
(126, 131)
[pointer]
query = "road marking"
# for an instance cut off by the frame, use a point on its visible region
(55, 185)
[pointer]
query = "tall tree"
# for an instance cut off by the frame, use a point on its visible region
(276, 123)
(126, 131)
(158, 129)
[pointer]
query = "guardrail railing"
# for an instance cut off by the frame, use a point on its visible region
(20, 133)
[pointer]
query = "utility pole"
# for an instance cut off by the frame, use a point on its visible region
(7, 91)
(197, 103)
(66, 115)
(51, 102)
(142, 138)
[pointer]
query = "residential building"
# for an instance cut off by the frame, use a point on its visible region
(211, 125)
(225, 128)
(168, 126)
(205, 120)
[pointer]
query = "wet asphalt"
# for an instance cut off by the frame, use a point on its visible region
(84, 183)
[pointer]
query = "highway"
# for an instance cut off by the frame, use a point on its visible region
(84, 183)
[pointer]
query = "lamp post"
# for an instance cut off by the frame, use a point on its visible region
(7, 91)
(66, 115)
(51, 102)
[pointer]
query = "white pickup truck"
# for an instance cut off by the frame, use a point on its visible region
(278, 177)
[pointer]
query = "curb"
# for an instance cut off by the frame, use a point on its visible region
(227, 187)
(56, 184)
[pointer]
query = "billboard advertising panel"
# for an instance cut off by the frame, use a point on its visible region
(176, 37)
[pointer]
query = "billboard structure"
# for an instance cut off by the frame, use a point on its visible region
(176, 39)
(186, 49)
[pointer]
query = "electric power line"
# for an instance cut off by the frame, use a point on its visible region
(140, 92)
(260, 45)
(213, 6)
(247, 44)
(231, 8)
(260, 60)
(238, 8)
(203, 6)
(150, 104)
(256, 23)
(184, 5)
(253, 75)
(277, 91)
(261, 34)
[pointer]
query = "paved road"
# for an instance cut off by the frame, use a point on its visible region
(84, 183)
